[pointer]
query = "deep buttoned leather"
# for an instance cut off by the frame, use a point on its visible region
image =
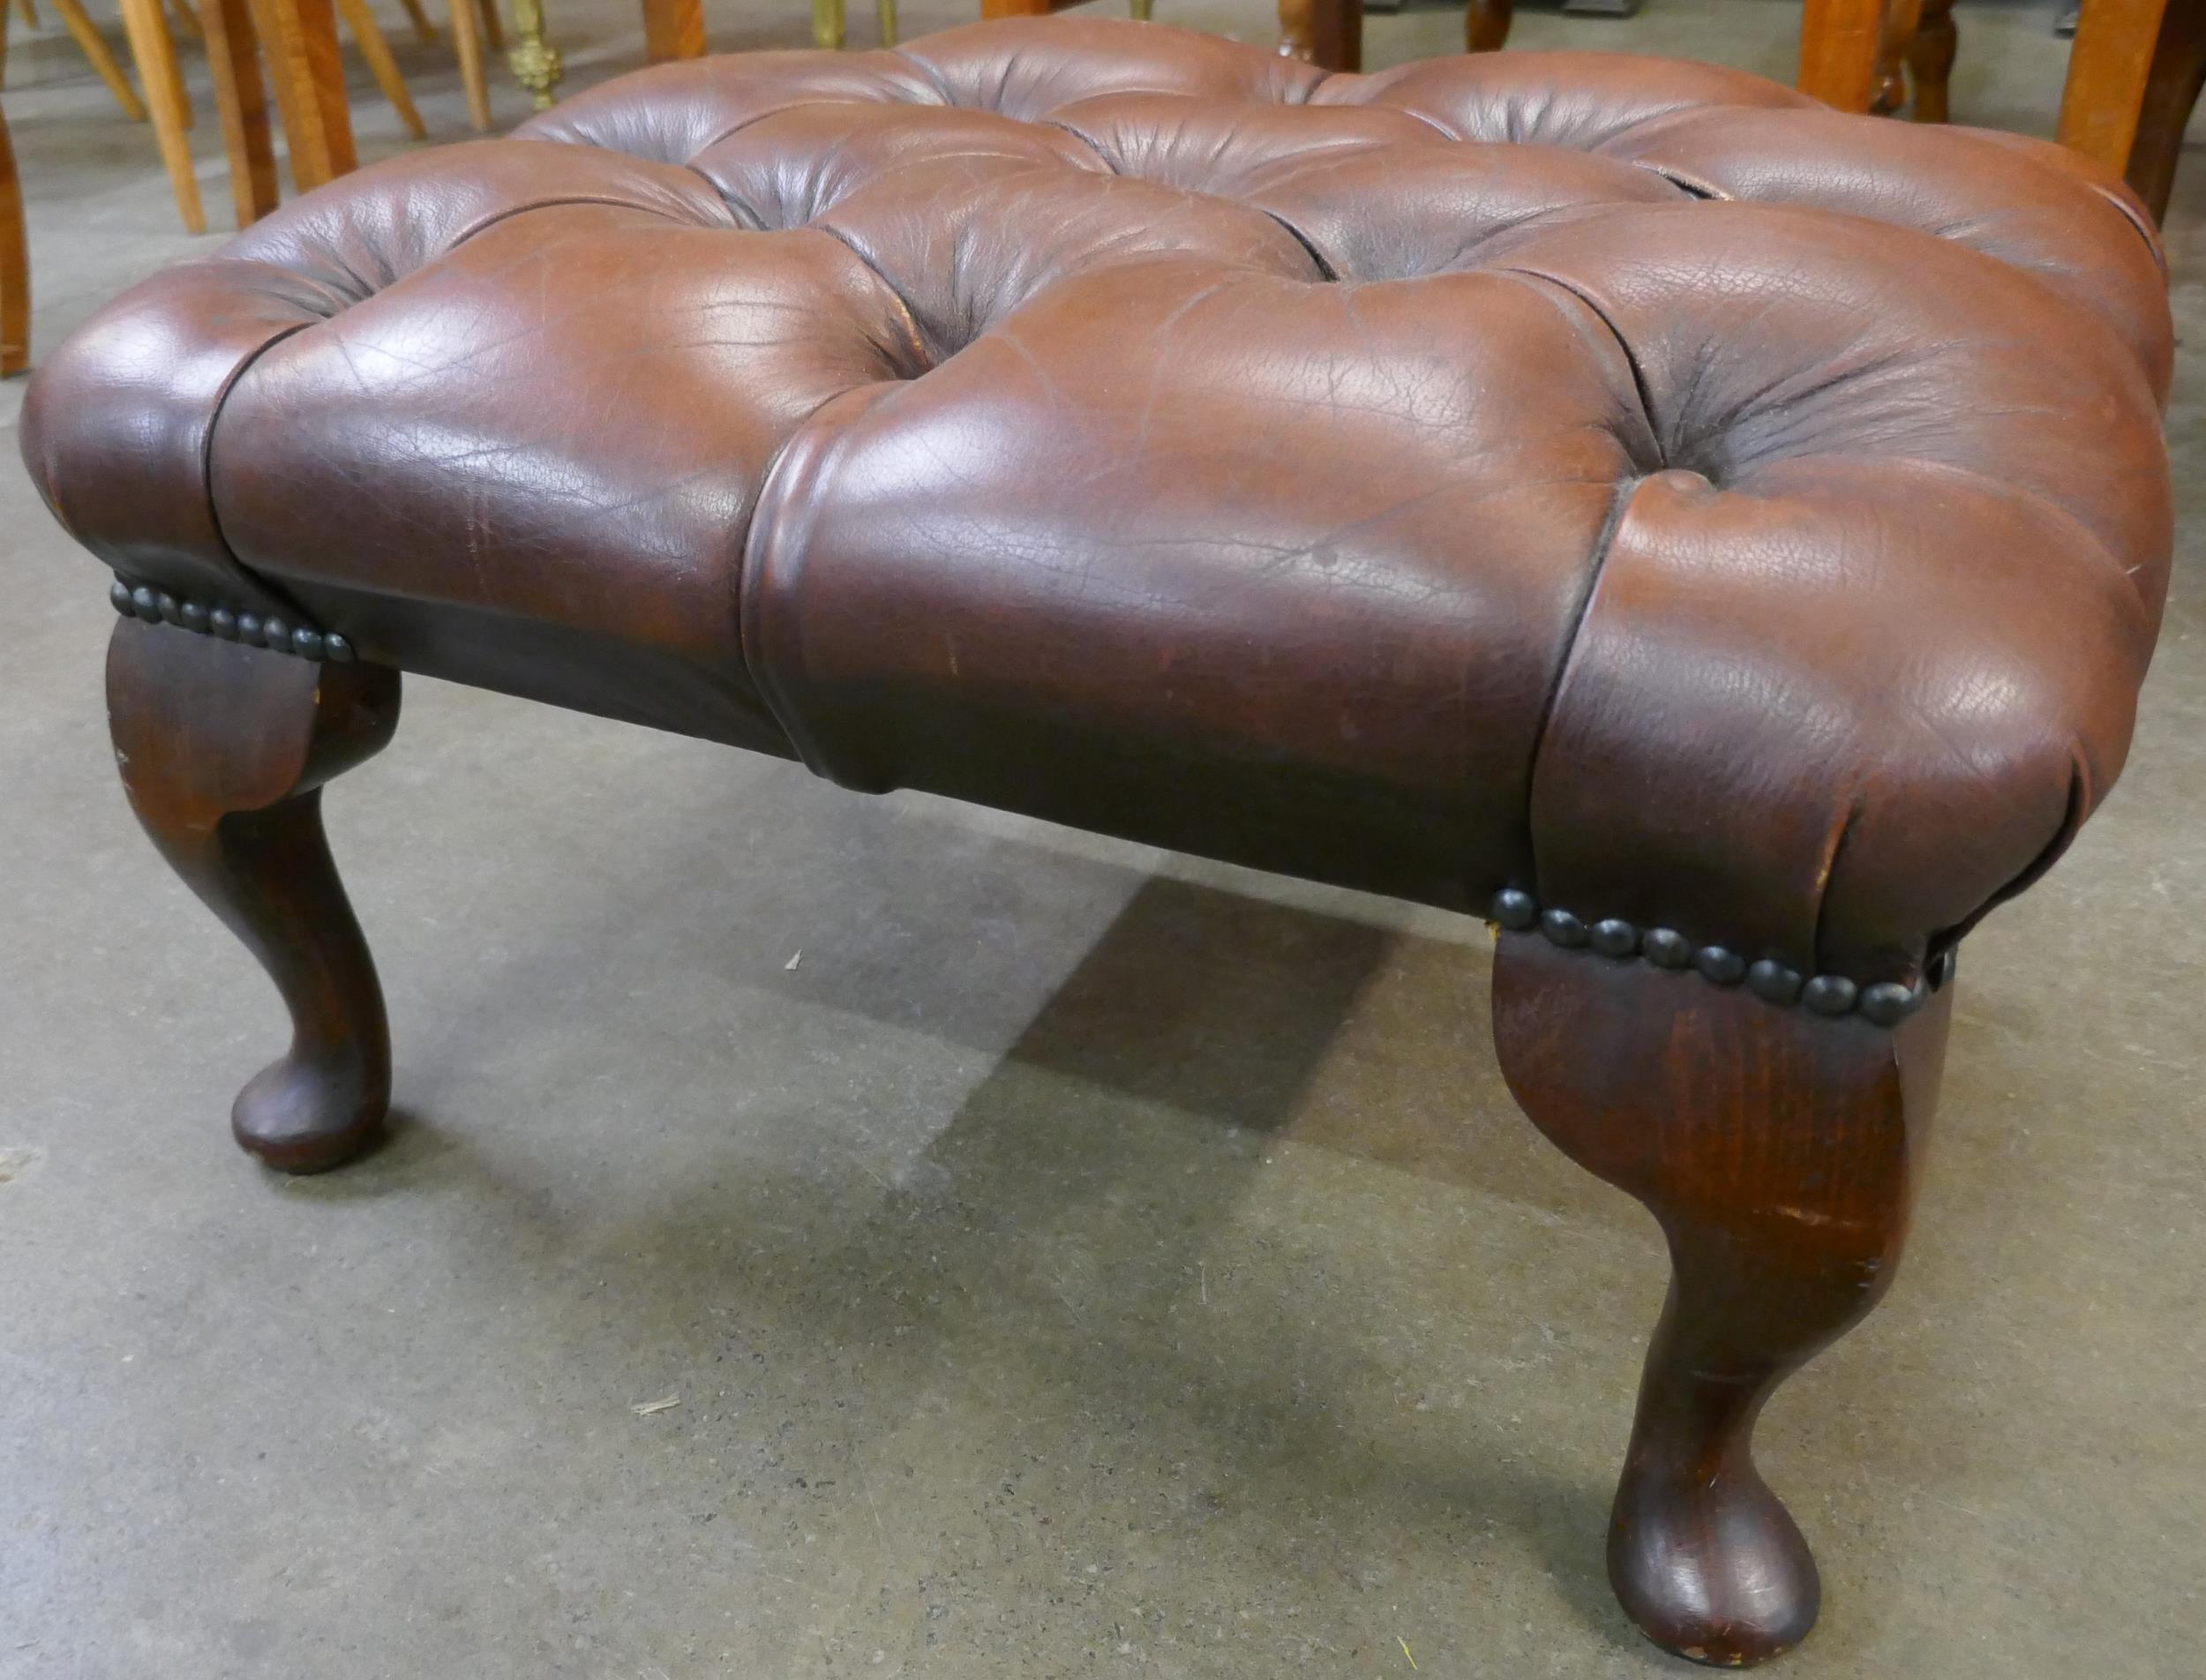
(1624, 480)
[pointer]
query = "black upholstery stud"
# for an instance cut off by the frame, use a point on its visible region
(1773, 981)
(1562, 928)
(306, 643)
(222, 622)
(1830, 994)
(275, 635)
(337, 649)
(119, 596)
(192, 615)
(1889, 1003)
(1667, 948)
(146, 604)
(1614, 937)
(1514, 909)
(1724, 968)
(249, 629)
(171, 611)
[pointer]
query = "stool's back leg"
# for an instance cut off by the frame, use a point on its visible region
(1779, 1150)
(224, 749)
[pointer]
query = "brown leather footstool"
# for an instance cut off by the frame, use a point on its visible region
(1716, 539)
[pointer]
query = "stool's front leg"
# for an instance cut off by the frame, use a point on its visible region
(1779, 1150)
(224, 749)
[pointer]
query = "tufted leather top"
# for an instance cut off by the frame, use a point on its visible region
(1624, 480)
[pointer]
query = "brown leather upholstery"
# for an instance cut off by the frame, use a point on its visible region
(1620, 479)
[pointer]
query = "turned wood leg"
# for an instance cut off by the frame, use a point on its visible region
(1486, 26)
(224, 749)
(1778, 1149)
(1929, 59)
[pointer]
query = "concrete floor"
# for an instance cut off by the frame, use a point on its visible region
(1085, 1261)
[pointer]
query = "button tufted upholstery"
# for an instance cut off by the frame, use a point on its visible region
(1626, 481)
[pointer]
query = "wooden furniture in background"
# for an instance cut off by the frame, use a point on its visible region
(1329, 32)
(2134, 74)
(89, 41)
(2134, 77)
(15, 267)
(1325, 33)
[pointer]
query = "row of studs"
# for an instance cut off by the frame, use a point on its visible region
(1887, 1002)
(157, 606)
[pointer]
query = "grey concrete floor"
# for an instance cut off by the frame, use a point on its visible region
(1084, 1261)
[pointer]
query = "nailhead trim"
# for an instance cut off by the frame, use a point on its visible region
(157, 606)
(1886, 1004)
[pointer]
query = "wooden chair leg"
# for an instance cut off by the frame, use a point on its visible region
(826, 23)
(1929, 59)
(367, 34)
(425, 31)
(466, 44)
(15, 262)
(1894, 46)
(1326, 33)
(2133, 75)
(1839, 45)
(673, 29)
(187, 21)
(240, 103)
(494, 27)
(1486, 24)
(156, 57)
(94, 47)
(1779, 1150)
(299, 41)
(223, 750)
(885, 15)
(1141, 10)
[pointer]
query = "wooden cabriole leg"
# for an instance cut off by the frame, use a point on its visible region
(1779, 1150)
(223, 750)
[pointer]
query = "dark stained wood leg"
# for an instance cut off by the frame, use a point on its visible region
(1929, 59)
(1326, 33)
(223, 750)
(1779, 1150)
(1485, 26)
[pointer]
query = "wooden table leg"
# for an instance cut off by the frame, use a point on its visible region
(673, 29)
(232, 54)
(15, 267)
(2133, 75)
(300, 39)
(1838, 51)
